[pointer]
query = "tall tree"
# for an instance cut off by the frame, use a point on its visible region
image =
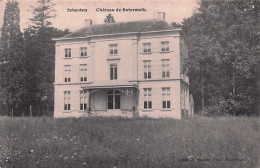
(40, 53)
(43, 13)
(12, 60)
(109, 19)
(228, 32)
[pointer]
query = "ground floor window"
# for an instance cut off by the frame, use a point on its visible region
(66, 100)
(166, 103)
(83, 100)
(113, 99)
(147, 98)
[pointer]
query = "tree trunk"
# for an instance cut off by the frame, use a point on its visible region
(202, 92)
(31, 110)
(233, 80)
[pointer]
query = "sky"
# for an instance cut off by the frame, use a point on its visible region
(175, 10)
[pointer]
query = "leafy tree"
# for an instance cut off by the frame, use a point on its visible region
(224, 43)
(40, 55)
(43, 13)
(12, 61)
(109, 19)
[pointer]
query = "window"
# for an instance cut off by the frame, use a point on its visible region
(83, 51)
(147, 98)
(165, 46)
(113, 71)
(147, 69)
(66, 100)
(83, 100)
(165, 68)
(147, 47)
(113, 99)
(113, 49)
(166, 103)
(83, 72)
(67, 73)
(67, 52)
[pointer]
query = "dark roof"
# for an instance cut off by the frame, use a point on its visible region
(122, 27)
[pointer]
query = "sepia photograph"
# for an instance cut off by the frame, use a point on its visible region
(129, 84)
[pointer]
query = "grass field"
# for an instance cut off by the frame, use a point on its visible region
(125, 143)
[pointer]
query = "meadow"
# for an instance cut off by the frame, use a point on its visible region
(125, 143)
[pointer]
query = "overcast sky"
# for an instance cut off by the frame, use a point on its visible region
(175, 10)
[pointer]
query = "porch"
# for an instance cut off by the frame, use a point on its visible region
(110, 100)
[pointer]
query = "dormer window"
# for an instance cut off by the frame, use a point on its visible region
(147, 48)
(67, 52)
(83, 51)
(165, 46)
(113, 49)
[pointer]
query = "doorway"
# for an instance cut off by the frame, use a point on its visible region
(113, 99)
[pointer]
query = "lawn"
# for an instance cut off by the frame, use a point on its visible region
(127, 143)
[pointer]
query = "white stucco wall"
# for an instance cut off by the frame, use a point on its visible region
(129, 59)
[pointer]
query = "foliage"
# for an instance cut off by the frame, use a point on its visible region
(109, 19)
(43, 13)
(223, 37)
(40, 55)
(122, 142)
(12, 57)
(40, 58)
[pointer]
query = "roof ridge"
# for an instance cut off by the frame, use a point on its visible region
(121, 27)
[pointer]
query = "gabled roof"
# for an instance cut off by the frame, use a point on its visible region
(121, 27)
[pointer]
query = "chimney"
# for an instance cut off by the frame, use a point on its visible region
(88, 22)
(160, 15)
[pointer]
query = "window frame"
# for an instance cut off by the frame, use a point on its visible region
(66, 101)
(114, 49)
(83, 77)
(165, 68)
(83, 104)
(67, 52)
(146, 47)
(113, 71)
(166, 98)
(67, 72)
(83, 52)
(165, 46)
(148, 105)
(147, 69)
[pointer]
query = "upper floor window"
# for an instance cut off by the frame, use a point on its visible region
(147, 69)
(66, 100)
(166, 103)
(147, 98)
(113, 71)
(165, 46)
(147, 48)
(165, 68)
(83, 100)
(113, 49)
(67, 52)
(83, 72)
(67, 71)
(83, 51)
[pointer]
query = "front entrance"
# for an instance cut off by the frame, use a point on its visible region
(113, 99)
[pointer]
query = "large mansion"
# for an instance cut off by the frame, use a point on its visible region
(122, 69)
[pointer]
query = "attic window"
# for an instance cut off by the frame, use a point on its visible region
(113, 49)
(147, 47)
(83, 51)
(165, 46)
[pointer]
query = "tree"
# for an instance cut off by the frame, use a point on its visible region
(227, 33)
(12, 57)
(43, 13)
(40, 55)
(109, 19)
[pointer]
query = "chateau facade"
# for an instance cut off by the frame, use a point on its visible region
(122, 69)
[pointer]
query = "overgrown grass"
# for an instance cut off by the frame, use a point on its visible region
(123, 143)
